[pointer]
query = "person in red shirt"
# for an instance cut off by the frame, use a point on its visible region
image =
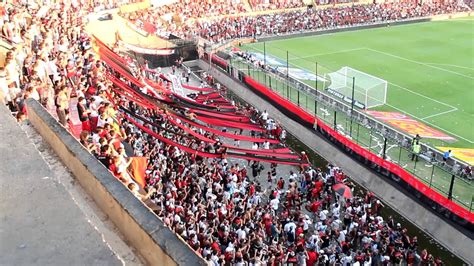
(312, 257)
(252, 189)
(281, 184)
(314, 207)
(304, 160)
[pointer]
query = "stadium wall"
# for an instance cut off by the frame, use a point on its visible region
(392, 173)
(147, 234)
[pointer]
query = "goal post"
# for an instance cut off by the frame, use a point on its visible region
(370, 91)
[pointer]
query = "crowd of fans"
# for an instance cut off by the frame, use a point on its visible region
(167, 18)
(225, 29)
(230, 213)
(245, 214)
(49, 59)
(261, 5)
(221, 29)
(182, 10)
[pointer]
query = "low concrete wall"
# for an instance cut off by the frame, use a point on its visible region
(156, 243)
(454, 238)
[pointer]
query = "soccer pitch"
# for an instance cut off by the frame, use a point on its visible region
(429, 68)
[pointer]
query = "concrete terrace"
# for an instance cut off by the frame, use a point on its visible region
(46, 218)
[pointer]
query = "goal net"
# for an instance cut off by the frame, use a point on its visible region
(368, 90)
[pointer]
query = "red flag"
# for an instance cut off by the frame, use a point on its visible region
(137, 170)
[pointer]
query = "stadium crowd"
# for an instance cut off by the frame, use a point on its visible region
(225, 29)
(221, 29)
(261, 5)
(230, 213)
(235, 214)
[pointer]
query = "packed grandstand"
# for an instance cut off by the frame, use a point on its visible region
(186, 20)
(217, 172)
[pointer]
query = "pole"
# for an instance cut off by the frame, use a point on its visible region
(384, 146)
(264, 54)
(450, 192)
(357, 137)
(265, 59)
(315, 108)
(298, 91)
(352, 107)
(432, 173)
(472, 200)
(335, 115)
(400, 155)
(353, 91)
(287, 75)
(316, 80)
(370, 139)
(350, 128)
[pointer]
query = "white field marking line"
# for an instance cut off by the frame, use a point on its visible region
(401, 87)
(424, 96)
(463, 67)
(431, 124)
(442, 113)
(336, 52)
(420, 63)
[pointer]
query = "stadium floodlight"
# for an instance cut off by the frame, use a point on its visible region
(369, 91)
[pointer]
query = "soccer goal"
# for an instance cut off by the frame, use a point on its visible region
(368, 90)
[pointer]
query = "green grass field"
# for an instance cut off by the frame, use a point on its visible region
(429, 67)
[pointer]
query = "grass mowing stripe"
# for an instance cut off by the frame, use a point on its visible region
(463, 67)
(420, 63)
(336, 52)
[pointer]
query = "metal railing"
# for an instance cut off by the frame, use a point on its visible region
(377, 137)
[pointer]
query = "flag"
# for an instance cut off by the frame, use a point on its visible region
(137, 170)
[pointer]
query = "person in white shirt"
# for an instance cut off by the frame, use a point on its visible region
(346, 260)
(293, 175)
(274, 203)
(4, 85)
(241, 233)
(264, 116)
(266, 145)
(335, 210)
(52, 70)
(306, 222)
(283, 135)
(255, 146)
(323, 215)
(342, 236)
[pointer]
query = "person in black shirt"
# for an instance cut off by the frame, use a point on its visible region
(83, 113)
(104, 156)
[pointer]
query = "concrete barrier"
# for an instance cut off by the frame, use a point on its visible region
(155, 242)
